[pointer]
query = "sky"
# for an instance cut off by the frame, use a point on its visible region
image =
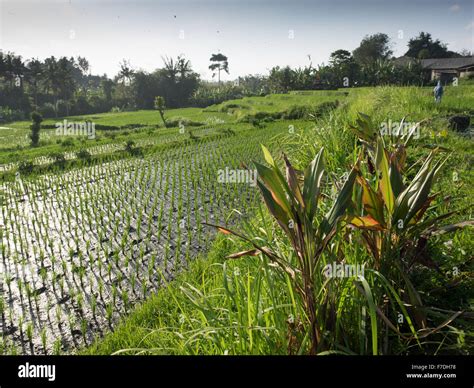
(255, 35)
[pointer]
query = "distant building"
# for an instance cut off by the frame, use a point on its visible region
(444, 69)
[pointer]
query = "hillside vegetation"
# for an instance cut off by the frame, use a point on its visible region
(248, 306)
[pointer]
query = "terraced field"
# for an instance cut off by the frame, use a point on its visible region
(84, 241)
(81, 248)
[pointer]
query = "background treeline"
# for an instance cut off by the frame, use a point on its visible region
(57, 87)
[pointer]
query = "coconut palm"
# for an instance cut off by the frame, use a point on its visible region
(220, 62)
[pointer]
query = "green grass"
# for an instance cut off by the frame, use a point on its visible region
(143, 125)
(245, 306)
(15, 134)
(215, 307)
(199, 314)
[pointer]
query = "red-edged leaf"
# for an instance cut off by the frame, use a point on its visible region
(366, 222)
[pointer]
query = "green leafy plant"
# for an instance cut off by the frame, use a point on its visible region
(393, 212)
(35, 128)
(294, 205)
(160, 106)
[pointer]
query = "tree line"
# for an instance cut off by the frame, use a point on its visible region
(57, 87)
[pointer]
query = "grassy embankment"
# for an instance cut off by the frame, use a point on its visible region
(246, 307)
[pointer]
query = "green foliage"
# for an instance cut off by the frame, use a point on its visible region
(35, 128)
(160, 106)
(373, 48)
(423, 46)
(251, 306)
(209, 94)
(294, 207)
(59, 160)
(219, 62)
(84, 154)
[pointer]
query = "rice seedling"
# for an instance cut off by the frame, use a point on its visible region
(101, 237)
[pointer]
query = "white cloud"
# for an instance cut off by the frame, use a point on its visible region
(455, 8)
(470, 26)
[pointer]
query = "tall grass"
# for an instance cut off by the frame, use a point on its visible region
(248, 306)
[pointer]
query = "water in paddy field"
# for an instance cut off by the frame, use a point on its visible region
(80, 249)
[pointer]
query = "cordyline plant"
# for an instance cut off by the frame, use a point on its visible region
(294, 205)
(392, 211)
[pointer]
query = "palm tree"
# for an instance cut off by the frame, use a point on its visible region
(9, 68)
(219, 63)
(84, 67)
(58, 77)
(18, 69)
(184, 67)
(3, 65)
(171, 68)
(34, 76)
(67, 85)
(50, 78)
(126, 72)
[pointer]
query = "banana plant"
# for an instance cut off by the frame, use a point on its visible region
(392, 211)
(292, 200)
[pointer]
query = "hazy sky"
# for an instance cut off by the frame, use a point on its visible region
(255, 35)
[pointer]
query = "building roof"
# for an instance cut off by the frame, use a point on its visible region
(447, 63)
(437, 63)
(403, 61)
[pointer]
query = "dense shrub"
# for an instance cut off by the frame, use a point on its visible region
(47, 110)
(177, 121)
(59, 160)
(83, 154)
(26, 167)
(211, 94)
(7, 114)
(35, 128)
(68, 142)
(297, 112)
(260, 116)
(325, 107)
(227, 107)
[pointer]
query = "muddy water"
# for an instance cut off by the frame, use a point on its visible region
(79, 250)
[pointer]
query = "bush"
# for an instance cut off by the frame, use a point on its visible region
(8, 115)
(231, 106)
(69, 142)
(176, 121)
(297, 112)
(35, 128)
(63, 108)
(59, 159)
(261, 116)
(26, 167)
(325, 107)
(47, 110)
(83, 154)
(210, 94)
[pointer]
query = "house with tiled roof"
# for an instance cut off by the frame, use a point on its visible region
(444, 69)
(448, 68)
